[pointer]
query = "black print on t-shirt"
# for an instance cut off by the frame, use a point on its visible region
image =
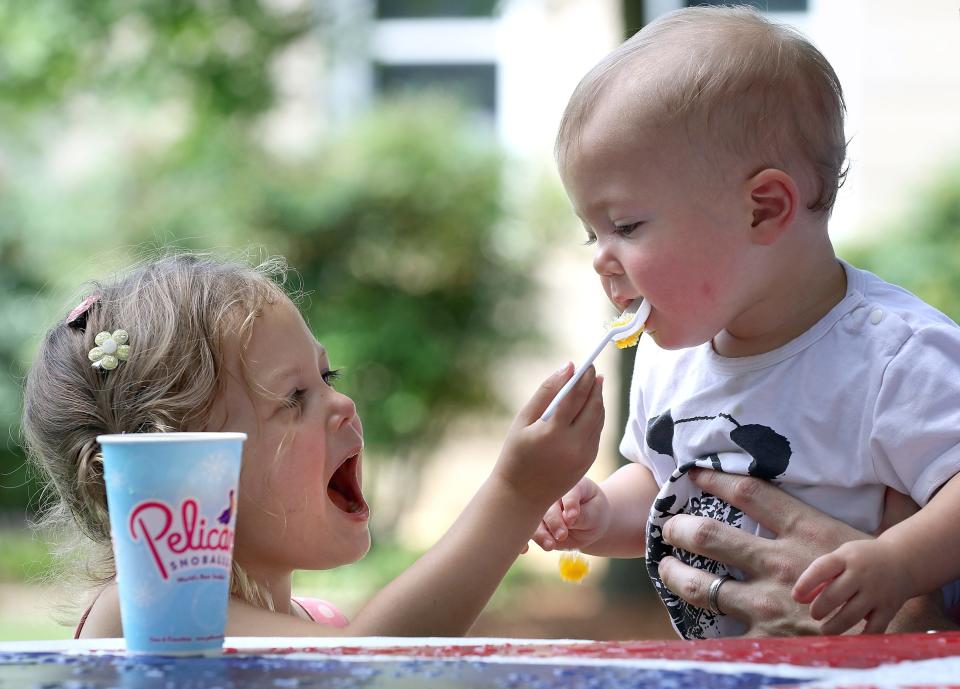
(765, 454)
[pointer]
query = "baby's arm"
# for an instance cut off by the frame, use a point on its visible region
(609, 519)
(871, 580)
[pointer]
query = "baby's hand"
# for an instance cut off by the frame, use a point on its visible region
(541, 460)
(860, 580)
(578, 520)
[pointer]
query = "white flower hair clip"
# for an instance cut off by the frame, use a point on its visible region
(111, 349)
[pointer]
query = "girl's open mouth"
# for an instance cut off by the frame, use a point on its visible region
(344, 487)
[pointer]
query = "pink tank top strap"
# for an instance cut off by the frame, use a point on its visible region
(86, 613)
(321, 611)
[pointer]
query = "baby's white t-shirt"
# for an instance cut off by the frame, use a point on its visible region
(869, 397)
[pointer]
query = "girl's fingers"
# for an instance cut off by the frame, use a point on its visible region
(541, 399)
(571, 405)
(590, 415)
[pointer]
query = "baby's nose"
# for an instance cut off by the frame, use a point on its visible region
(605, 263)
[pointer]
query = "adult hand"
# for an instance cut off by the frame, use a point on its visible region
(803, 533)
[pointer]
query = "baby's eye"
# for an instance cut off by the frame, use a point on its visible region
(295, 399)
(627, 230)
(332, 375)
(591, 239)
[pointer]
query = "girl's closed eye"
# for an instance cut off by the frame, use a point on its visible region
(295, 399)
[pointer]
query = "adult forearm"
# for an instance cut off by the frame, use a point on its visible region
(921, 614)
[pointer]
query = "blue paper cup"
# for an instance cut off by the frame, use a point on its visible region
(172, 499)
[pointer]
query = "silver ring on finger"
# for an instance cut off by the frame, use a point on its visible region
(714, 593)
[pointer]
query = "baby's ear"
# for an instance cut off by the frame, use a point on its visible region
(773, 199)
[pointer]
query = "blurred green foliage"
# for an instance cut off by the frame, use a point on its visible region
(24, 556)
(922, 251)
(215, 54)
(401, 226)
(416, 286)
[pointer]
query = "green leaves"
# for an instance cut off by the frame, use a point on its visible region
(922, 252)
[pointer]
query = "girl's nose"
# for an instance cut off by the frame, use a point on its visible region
(604, 262)
(343, 411)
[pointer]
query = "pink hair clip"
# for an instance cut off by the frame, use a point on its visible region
(78, 317)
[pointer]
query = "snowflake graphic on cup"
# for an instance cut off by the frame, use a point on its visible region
(215, 466)
(146, 593)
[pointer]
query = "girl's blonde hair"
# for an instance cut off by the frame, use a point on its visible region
(738, 82)
(178, 311)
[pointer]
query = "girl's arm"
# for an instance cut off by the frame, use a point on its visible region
(444, 591)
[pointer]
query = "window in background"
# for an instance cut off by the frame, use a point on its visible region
(442, 45)
(474, 85)
(412, 9)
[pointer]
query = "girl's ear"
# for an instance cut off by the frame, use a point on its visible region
(773, 198)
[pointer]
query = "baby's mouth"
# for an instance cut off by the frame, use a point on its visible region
(344, 487)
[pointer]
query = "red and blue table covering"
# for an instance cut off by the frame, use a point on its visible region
(913, 661)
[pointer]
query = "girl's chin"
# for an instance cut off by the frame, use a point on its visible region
(357, 554)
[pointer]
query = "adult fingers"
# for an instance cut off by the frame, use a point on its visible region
(774, 508)
(693, 585)
(768, 505)
(717, 541)
(820, 572)
(544, 394)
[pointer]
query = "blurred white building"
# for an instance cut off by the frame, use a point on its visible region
(519, 60)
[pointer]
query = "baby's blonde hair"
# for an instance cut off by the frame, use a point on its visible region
(178, 310)
(738, 82)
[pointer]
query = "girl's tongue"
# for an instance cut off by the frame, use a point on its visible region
(344, 487)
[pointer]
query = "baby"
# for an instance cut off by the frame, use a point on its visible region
(703, 157)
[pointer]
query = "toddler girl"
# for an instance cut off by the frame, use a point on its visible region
(218, 346)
